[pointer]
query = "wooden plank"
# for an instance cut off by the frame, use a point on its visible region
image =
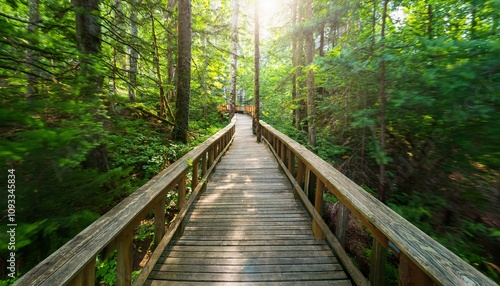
(249, 277)
(267, 283)
(297, 242)
(250, 248)
(249, 261)
(248, 268)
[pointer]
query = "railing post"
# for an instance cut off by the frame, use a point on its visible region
(204, 167)
(307, 178)
(377, 264)
(86, 277)
(124, 260)
(318, 205)
(211, 156)
(182, 191)
(290, 161)
(410, 274)
(301, 170)
(341, 223)
(159, 221)
(194, 181)
(283, 151)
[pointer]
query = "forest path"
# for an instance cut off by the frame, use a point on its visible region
(247, 228)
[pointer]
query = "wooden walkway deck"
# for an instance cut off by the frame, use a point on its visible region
(248, 229)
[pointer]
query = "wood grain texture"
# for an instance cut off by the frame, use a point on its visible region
(433, 259)
(247, 227)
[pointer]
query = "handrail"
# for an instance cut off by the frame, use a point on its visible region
(423, 261)
(247, 109)
(74, 262)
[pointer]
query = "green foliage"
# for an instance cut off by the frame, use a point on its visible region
(106, 270)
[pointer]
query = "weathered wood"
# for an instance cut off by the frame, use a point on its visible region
(178, 222)
(290, 161)
(377, 264)
(182, 192)
(301, 172)
(269, 283)
(410, 274)
(159, 221)
(354, 272)
(341, 223)
(234, 226)
(249, 277)
(194, 181)
(318, 205)
(86, 277)
(124, 260)
(430, 256)
(64, 264)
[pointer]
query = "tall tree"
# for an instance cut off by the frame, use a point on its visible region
(133, 54)
(300, 103)
(383, 102)
(295, 58)
(88, 38)
(183, 72)
(234, 57)
(31, 58)
(309, 44)
(257, 74)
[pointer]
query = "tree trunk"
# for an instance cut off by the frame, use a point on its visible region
(156, 63)
(31, 58)
(88, 38)
(234, 57)
(311, 108)
(295, 7)
(257, 74)
(383, 100)
(301, 110)
(183, 72)
(133, 54)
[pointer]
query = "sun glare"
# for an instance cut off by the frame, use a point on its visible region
(269, 14)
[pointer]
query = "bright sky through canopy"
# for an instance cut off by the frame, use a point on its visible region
(269, 15)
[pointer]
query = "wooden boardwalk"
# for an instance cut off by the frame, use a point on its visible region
(248, 229)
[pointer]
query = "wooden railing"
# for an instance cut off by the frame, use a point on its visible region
(74, 263)
(422, 260)
(247, 109)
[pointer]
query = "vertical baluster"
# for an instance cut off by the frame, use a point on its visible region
(86, 277)
(159, 221)
(307, 178)
(124, 259)
(182, 191)
(291, 162)
(300, 174)
(194, 181)
(318, 205)
(341, 222)
(283, 151)
(410, 274)
(211, 156)
(204, 166)
(377, 264)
